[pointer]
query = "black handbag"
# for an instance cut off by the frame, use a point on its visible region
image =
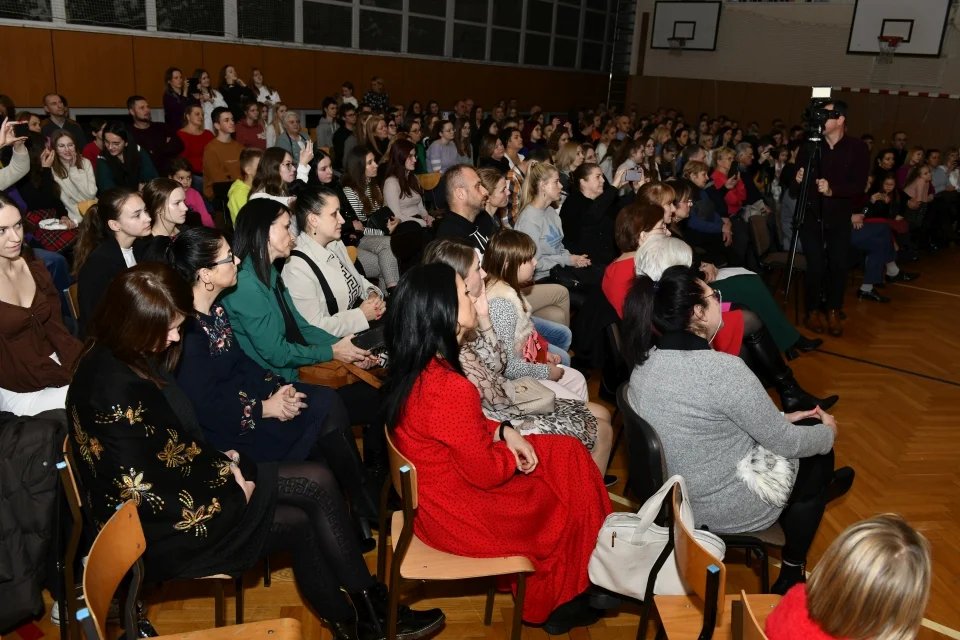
(575, 278)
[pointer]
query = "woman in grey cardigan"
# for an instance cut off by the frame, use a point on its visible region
(355, 301)
(746, 464)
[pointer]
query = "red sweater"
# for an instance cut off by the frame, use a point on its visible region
(251, 136)
(791, 621)
(91, 152)
(193, 146)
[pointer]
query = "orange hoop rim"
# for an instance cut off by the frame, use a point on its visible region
(891, 41)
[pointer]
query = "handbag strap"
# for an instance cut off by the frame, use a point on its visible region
(648, 512)
(332, 307)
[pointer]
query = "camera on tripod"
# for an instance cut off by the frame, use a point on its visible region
(815, 116)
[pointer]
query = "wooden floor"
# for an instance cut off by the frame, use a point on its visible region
(897, 370)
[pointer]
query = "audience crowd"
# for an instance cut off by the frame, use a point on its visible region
(164, 282)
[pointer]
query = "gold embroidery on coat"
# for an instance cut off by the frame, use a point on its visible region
(177, 454)
(222, 465)
(195, 518)
(90, 448)
(133, 416)
(132, 487)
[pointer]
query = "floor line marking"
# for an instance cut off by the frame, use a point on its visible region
(912, 286)
(890, 367)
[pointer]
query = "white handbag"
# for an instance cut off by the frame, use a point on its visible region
(630, 543)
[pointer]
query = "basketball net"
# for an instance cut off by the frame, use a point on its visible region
(888, 47)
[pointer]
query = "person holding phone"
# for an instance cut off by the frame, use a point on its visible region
(589, 212)
(14, 133)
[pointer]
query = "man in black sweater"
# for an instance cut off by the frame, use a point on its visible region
(466, 198)
(841, 176)
(161, 142)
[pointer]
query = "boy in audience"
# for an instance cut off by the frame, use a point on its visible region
(56, 109)
(161, 142)
(240, 189)
(327, 127)
(221, 158)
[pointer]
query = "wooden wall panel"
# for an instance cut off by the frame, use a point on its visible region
(242, 57)
(28, 71)
(292, 71)
(93, 69)
(331, 70)
(764, 102)
(152, 57)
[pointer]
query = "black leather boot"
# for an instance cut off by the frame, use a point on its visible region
(375, 455)
(372, 606)
(764, 359)
(343, 630)
(340, 451)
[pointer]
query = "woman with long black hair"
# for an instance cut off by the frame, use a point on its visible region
(135, 436)
(122, 163)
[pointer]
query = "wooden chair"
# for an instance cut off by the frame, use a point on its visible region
(68, 601)
(336, 374)
(84, 205)
(429, 181)
(118, 549)
(74, 299)
(414, 560)
(752, 628)
(72, 490)
(776, 260)
(647, 472)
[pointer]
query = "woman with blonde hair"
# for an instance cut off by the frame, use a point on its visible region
(872, 582)
(275, 128)
(567, 158)
(375, 135)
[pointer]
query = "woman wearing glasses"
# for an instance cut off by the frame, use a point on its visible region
(746, 465)
(275, 174)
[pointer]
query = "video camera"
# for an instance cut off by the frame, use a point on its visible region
(815, 115)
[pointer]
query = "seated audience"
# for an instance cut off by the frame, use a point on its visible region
(122, 164)
(235, 92)
(275, 129)
(56, 109)
(263, 92)
(708, 228)
(362, 199)
(37, 350)
(72, 173)
(401, 190)
(239, 192)
(165, 201)
(634, 226)
(328, 125)
(159, 140)
(264, 319)
(885, 204)
(105, 246)
(512, 141)
(589, 153)
(872, 582)
(292, 139)
(442, 152)
(608, 163)
(515, 179)
(221, 157)
(919, 195)
(874, 236)
(274, 421)
(589, 212)
(275, 175)
(325, 287)
(179, 170)
(462, 140)
(532, 135)
(195, 140)
(250, 131)
(37, 189)
(484, 361)
(205, 512)
(93, 148)
(566, 159)
(345, 139)
(481, 474)
(19, 164)
(760, 466)
(175, 98)
(208, 97)
(466, 218)
(539, 220)
(376, 137)
(509, 262)
(914, 159)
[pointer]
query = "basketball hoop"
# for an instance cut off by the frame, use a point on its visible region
(888, 47)
(676, 45)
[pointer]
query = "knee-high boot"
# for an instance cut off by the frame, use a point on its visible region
(762, 356)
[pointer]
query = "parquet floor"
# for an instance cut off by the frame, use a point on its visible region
(900, 431)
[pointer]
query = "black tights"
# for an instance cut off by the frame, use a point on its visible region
(801, 517)
(311, 523)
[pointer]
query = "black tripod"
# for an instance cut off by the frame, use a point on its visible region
(815, 142)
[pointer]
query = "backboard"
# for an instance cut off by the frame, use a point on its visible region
(921, 24)
(696, 23)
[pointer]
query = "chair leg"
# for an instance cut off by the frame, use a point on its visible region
(238, 598)
(488, 610)
(218, 615)
(764, 570)
(266, 571)
(748, 554)
(382, 533)
(392, 603)
(517, 627)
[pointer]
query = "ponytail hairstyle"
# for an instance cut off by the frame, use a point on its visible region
(537, 172)
(582, 173)
(156, 194)
(506, 252)
(94, 228)
(311, 199)
(195, 249)
(664, 305)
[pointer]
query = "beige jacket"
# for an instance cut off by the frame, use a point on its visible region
(79, 185)
(308, 296)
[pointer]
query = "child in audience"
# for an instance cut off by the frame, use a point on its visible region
(179, 170)
(240, 190)
(872, 582)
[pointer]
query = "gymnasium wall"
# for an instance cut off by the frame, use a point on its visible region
(102, 70)
(770, 54)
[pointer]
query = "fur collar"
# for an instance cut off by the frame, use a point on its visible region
(524, 327)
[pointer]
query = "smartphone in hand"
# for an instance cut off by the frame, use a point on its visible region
(633, 175)
(21, 130)
(734, 169)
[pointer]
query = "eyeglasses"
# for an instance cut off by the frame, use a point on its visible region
(288, 165)
(716, 295)
(682, 202)
(228, 260)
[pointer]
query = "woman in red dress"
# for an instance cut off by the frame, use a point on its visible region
(485, 490)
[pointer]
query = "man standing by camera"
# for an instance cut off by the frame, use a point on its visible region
(841, 176)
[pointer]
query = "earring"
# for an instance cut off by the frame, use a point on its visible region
(208, 286)
(458, 327)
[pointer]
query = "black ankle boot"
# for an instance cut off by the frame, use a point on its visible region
(762, 356)
(842, 482)
(340, 451)
(790, 575)
(343, 630)
(372, 606)
(575, 613)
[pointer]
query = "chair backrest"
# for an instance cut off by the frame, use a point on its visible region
(397, 463)
(429, 181)
(699, 570)
(117, 548)
(645, 460)
(70, 486)
(74, 299)
(751, 628)
(761, 235)
(615, 351)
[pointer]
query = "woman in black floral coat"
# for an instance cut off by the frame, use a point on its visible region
(135, 436)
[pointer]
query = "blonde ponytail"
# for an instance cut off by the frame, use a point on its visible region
(537, 172)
